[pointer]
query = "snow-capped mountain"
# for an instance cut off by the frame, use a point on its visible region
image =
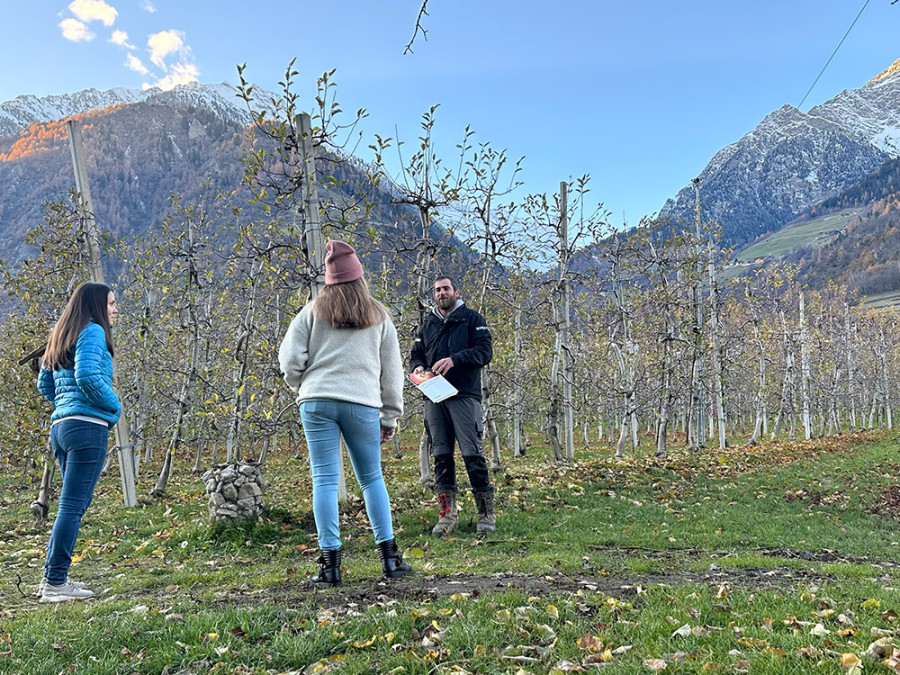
(792, 160)
(23, 111)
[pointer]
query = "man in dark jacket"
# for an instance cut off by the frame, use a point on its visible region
(454, 341)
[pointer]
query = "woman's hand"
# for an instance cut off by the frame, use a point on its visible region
(387, 434)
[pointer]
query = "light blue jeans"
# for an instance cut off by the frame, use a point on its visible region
(80, 449)
(324, 421)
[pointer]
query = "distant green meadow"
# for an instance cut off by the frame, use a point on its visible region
(811, 233)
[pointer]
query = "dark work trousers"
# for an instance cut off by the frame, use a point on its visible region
(457, 420)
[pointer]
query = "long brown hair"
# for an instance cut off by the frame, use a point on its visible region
(349, 305)
(88, 302)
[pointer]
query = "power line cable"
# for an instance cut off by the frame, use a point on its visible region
(835, 52)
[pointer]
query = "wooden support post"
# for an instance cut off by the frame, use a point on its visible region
(312, 225)
(92, 244)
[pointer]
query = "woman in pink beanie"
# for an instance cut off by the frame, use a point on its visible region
(342, 358)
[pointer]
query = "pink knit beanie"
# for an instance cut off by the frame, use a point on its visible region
(341, 263)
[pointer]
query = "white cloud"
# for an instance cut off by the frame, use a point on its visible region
(135, 64)
(162, 44)
(74, 30)
(148, 7)
(181, 73)
(120, 37)
(94, 10)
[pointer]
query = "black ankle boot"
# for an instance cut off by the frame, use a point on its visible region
(392, 565)
(329, 569)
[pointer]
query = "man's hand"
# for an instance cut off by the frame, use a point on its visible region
(442, 366)
(418, 370)
(387, 434)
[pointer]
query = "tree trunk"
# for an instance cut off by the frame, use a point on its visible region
(184, 406)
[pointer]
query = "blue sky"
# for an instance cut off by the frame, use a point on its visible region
(639, 95)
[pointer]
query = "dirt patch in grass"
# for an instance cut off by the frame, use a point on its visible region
(419, 588)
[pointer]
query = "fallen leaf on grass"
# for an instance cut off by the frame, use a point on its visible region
(684, 631)
(851, 663)
(881, 648)
(893, 661)
(590, 642)
(810, 652)
(819, 630)
(655, 664)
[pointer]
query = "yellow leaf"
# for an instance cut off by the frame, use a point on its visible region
(552, 612)
(850, 661)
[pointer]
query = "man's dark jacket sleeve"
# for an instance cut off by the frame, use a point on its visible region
(482, 350)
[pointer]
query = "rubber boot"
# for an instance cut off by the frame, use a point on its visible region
(449, 514)
(487, 520)
(329, 569)
(392, 565)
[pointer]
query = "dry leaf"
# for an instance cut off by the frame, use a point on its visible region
(850, 662)
(590, 642)
(684, 631)
(819, 630)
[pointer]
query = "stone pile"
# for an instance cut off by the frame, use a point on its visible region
(235, 492)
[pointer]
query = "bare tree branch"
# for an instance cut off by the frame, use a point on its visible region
(423, 11)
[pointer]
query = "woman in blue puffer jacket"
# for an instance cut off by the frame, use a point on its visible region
(76, 377)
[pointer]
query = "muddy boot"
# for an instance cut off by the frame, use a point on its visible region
(329, 569)
(392, 565)
(449, 514)
(487, 520)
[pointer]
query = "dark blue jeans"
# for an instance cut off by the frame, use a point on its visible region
(80, 449)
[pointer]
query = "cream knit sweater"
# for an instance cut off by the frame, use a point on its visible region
(345, 364)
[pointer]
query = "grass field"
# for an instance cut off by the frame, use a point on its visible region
(812, 233)
(778, 558)
(883, 300)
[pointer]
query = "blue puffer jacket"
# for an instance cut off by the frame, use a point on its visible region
(85, 389)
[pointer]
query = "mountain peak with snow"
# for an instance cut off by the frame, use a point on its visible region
(23, 111)
(793, 160)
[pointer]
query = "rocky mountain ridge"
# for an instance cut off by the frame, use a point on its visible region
(792, 160)
(187, 142)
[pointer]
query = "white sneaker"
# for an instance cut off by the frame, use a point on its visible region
(76, 584)
(67, 591)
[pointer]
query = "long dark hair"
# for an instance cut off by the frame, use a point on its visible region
(349, 305)
(88, 302)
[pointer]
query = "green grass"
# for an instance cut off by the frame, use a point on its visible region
(597, 560)
(811, 233)
(886, 300)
